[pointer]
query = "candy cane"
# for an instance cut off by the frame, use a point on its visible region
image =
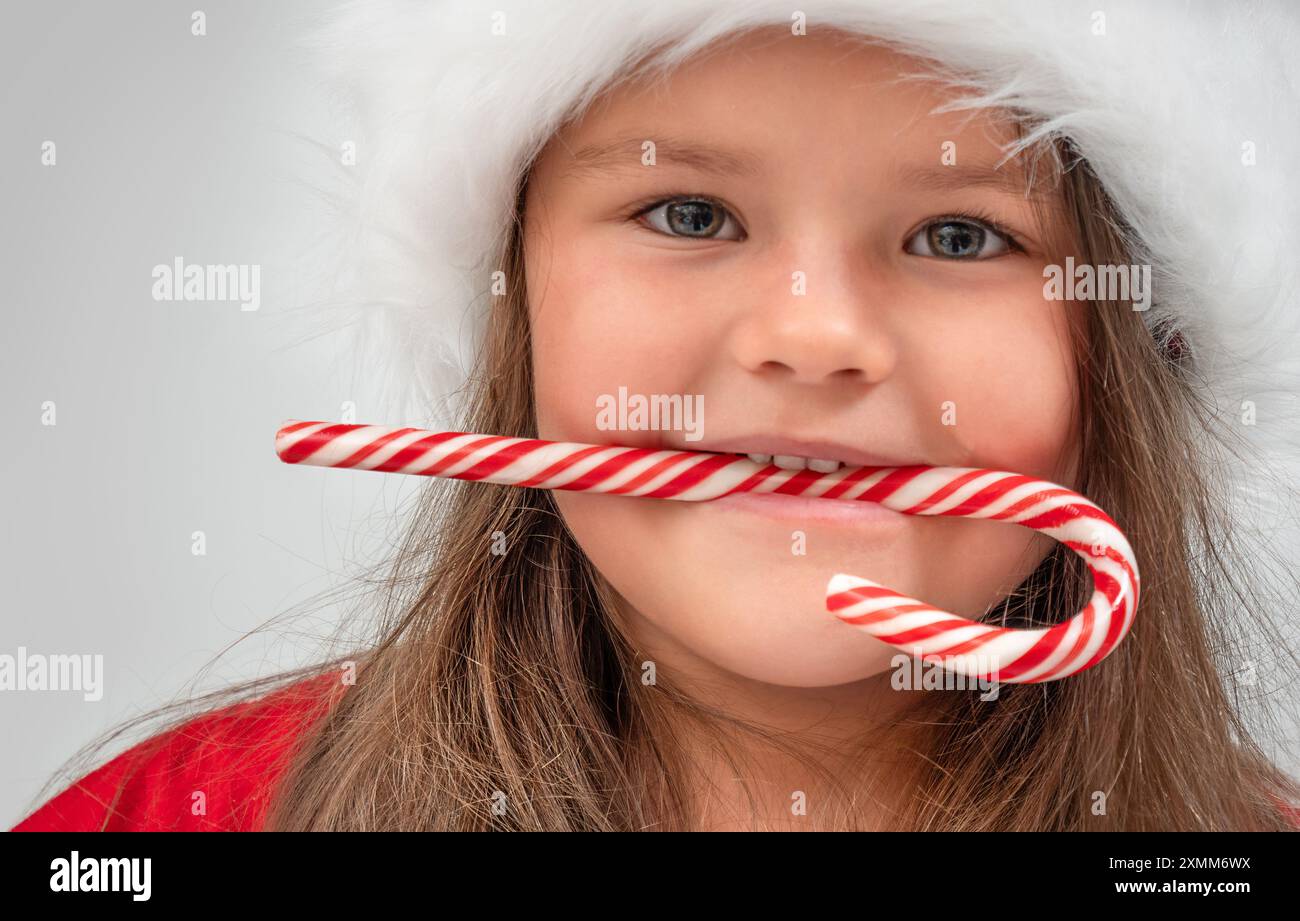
(977, 650)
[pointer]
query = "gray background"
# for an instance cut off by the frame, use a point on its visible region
(168, 144)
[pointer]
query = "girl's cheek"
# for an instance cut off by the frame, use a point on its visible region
(584, 352)
(1009, 386)
(603, 324)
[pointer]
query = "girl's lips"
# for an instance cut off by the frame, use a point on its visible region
(805, 509)
(774, 445)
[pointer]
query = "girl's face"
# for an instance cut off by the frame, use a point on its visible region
(839, 274)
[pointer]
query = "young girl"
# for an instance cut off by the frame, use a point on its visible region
(832, 229)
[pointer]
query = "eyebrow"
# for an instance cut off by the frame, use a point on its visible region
(956, 178)
(624, 154)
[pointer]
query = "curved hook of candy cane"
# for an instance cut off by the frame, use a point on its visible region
(983, 651)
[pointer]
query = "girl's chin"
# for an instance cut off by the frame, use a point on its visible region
(813, 668)
(780, 637)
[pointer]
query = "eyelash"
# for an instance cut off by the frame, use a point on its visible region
(647, 205)
(973, 216)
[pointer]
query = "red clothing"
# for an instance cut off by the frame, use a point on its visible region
(232, 756)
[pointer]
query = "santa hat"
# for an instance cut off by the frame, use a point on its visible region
(1187, 113)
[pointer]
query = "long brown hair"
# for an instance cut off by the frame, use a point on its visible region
(499, 691)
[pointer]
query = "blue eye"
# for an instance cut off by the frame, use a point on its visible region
(958, 238)
(698, 218)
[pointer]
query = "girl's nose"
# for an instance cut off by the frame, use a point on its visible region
(833, 332)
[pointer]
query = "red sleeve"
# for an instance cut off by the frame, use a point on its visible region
(1290, 812)
(213, 773)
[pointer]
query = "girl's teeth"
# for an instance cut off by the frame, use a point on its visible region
(794, 462)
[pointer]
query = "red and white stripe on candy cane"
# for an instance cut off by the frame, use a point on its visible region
(978, 650)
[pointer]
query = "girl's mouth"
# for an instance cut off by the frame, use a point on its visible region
(806, 509)
(796, 509)
(823, 455)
